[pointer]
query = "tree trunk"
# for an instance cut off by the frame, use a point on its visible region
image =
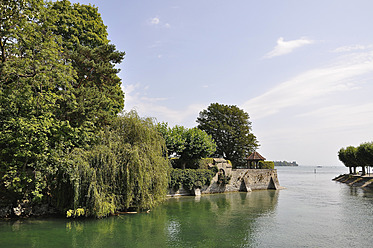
(363, 170)
(350, 168)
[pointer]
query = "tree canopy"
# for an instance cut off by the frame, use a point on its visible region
(61, 139)
(35, 84)
(353, 157)
(125, 170)
(187, 143)
(230, 128)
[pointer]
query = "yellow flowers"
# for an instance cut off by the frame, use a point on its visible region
(75, 213)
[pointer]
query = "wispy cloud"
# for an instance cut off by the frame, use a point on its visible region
(156, 21)
(343, 115)
(351, 48)
(285, 47)
(314, 84)
(136, 98)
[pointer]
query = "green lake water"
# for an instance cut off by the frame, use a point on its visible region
(313, 211)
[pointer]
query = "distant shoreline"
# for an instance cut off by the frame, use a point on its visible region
(285, 163)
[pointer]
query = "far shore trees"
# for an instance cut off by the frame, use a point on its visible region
(230, 128)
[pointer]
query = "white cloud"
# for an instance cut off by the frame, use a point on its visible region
(350, 48)
(155, 21)
(136, 98)
(318, 111)
(285, 47)
(314, 84)
(342, 116)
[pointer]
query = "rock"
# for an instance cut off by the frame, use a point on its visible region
(18, 210)
(196, 191)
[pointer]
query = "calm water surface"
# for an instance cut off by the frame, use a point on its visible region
(312, 211)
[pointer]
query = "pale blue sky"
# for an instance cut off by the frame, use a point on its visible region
(303, 70)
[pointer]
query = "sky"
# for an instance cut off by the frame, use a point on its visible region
(302, 70)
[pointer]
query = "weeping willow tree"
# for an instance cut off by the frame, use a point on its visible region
(126, 170)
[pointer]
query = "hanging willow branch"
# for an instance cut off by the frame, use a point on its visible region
(125, 171)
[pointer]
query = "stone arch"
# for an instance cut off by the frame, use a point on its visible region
(272, 184)
(221, 171)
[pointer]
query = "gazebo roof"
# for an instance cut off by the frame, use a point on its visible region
(255, 156)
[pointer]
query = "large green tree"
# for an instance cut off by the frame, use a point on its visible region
(230, 128)
(348, 156)
(97, 88)
(58, 88)
(34, 85)
(343, 158)
(187, 143)
(126, 170)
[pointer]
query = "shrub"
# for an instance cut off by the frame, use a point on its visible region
(267, 164)
(179, 163)
(190, 178)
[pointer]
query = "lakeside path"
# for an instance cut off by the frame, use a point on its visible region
(365, 181)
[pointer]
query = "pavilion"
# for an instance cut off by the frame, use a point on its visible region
(254, 159)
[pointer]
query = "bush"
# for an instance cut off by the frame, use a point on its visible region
(202, 163)
(190, 178)
(223, 179)
(267, 164)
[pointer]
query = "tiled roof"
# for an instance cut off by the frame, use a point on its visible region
(255, 156)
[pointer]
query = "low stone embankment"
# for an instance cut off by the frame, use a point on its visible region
(355, 180)
(244, 180)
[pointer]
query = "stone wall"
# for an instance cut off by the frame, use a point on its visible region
(356, 180)
(244, 180)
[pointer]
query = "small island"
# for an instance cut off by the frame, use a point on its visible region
(285, 163)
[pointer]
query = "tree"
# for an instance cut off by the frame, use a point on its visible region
(350, 154)
(198, 144)
(174, 137)
(187, 144)
(343, 158)
(354, 157)
(34, 85)
(96, 87)
(126, 170)
(364, 153)
(58, 88)
(230, 128)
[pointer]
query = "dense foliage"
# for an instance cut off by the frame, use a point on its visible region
(96, 87)
(127, 170)
(353, 157)
(35, 85)
(188, 144)
(61, 140)
(190, 178)
(266, 164)
(230, 128)
(202, 163)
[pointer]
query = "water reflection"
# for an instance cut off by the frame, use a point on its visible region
(222, 220)
(312, 212)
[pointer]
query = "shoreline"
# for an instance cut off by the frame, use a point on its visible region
(356, 180)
